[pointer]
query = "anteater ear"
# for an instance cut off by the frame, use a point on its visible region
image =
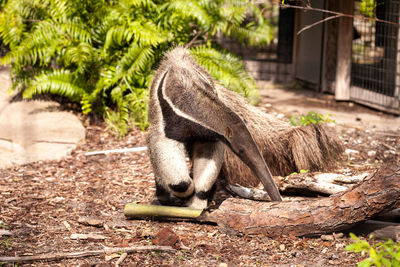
(197, 101)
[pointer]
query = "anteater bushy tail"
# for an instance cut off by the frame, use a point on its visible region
(286, 149)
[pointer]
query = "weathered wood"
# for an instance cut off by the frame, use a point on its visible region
(133, 210)
(390, 216)
(377, 193)
(324, 183)
(86, 253)
(317, 183)
(392, 232)
(378, 229)
(345, 38)
(121, 150)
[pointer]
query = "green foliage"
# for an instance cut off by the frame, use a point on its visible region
(367, 8)
(382, 254)
(302, 171)
(311, 118)
(102, 53)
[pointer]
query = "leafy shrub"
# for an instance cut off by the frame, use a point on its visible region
(382, 254)
(102, 53)
(368, 7)
(311, 118)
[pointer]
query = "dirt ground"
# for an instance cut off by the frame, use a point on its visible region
(46, 204)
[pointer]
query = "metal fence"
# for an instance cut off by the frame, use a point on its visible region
(273, 61)
(375, 55)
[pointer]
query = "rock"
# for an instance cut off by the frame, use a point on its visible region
(351, 151)
(5, 232)
(91, 221)
(327, 237)
(166, 237)
(32, 131)
(338, 235)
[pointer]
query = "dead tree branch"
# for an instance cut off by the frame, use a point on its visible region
(80, 254)
(337, 13)
(312, 217)
(318, 22)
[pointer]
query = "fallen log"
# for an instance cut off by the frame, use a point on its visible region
(374, 195)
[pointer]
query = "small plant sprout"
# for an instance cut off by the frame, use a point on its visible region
(381, 254)
(311, 118)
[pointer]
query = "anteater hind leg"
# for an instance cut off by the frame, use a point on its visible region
(207, 159)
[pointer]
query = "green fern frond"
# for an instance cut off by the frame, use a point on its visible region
(144, 4)
(37, 47)
(233, 15)
(108, 78)
(252, 35)
(225, 68)
(41, 55)
(255, 13)
(136, 55)
(107, 19)
(130, 109)
(11, 29)
(34, 9)
(60, 10)
(148, 33)
(60, 82)
(137, 60)
(76, 31)
(117, 94)
(117, 121)
(138, 99)
(81, 56)
(188, 9)
(142, 32)
(131, 69)
(117, 35)
(17, 17)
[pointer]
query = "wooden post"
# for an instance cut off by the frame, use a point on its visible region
(345, 39)
(396, 95)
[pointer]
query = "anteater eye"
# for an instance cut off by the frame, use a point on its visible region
(228, 133)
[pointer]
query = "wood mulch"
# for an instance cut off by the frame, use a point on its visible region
(76, 205)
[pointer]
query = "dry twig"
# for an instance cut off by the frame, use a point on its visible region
(121, 259)
(337, 13)
(318, 22)
(121, 150)
(80, 254)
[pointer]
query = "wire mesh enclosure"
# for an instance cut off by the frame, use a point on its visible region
(272, 61)
(375, 48)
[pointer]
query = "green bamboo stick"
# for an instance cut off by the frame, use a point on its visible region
(133, 210)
